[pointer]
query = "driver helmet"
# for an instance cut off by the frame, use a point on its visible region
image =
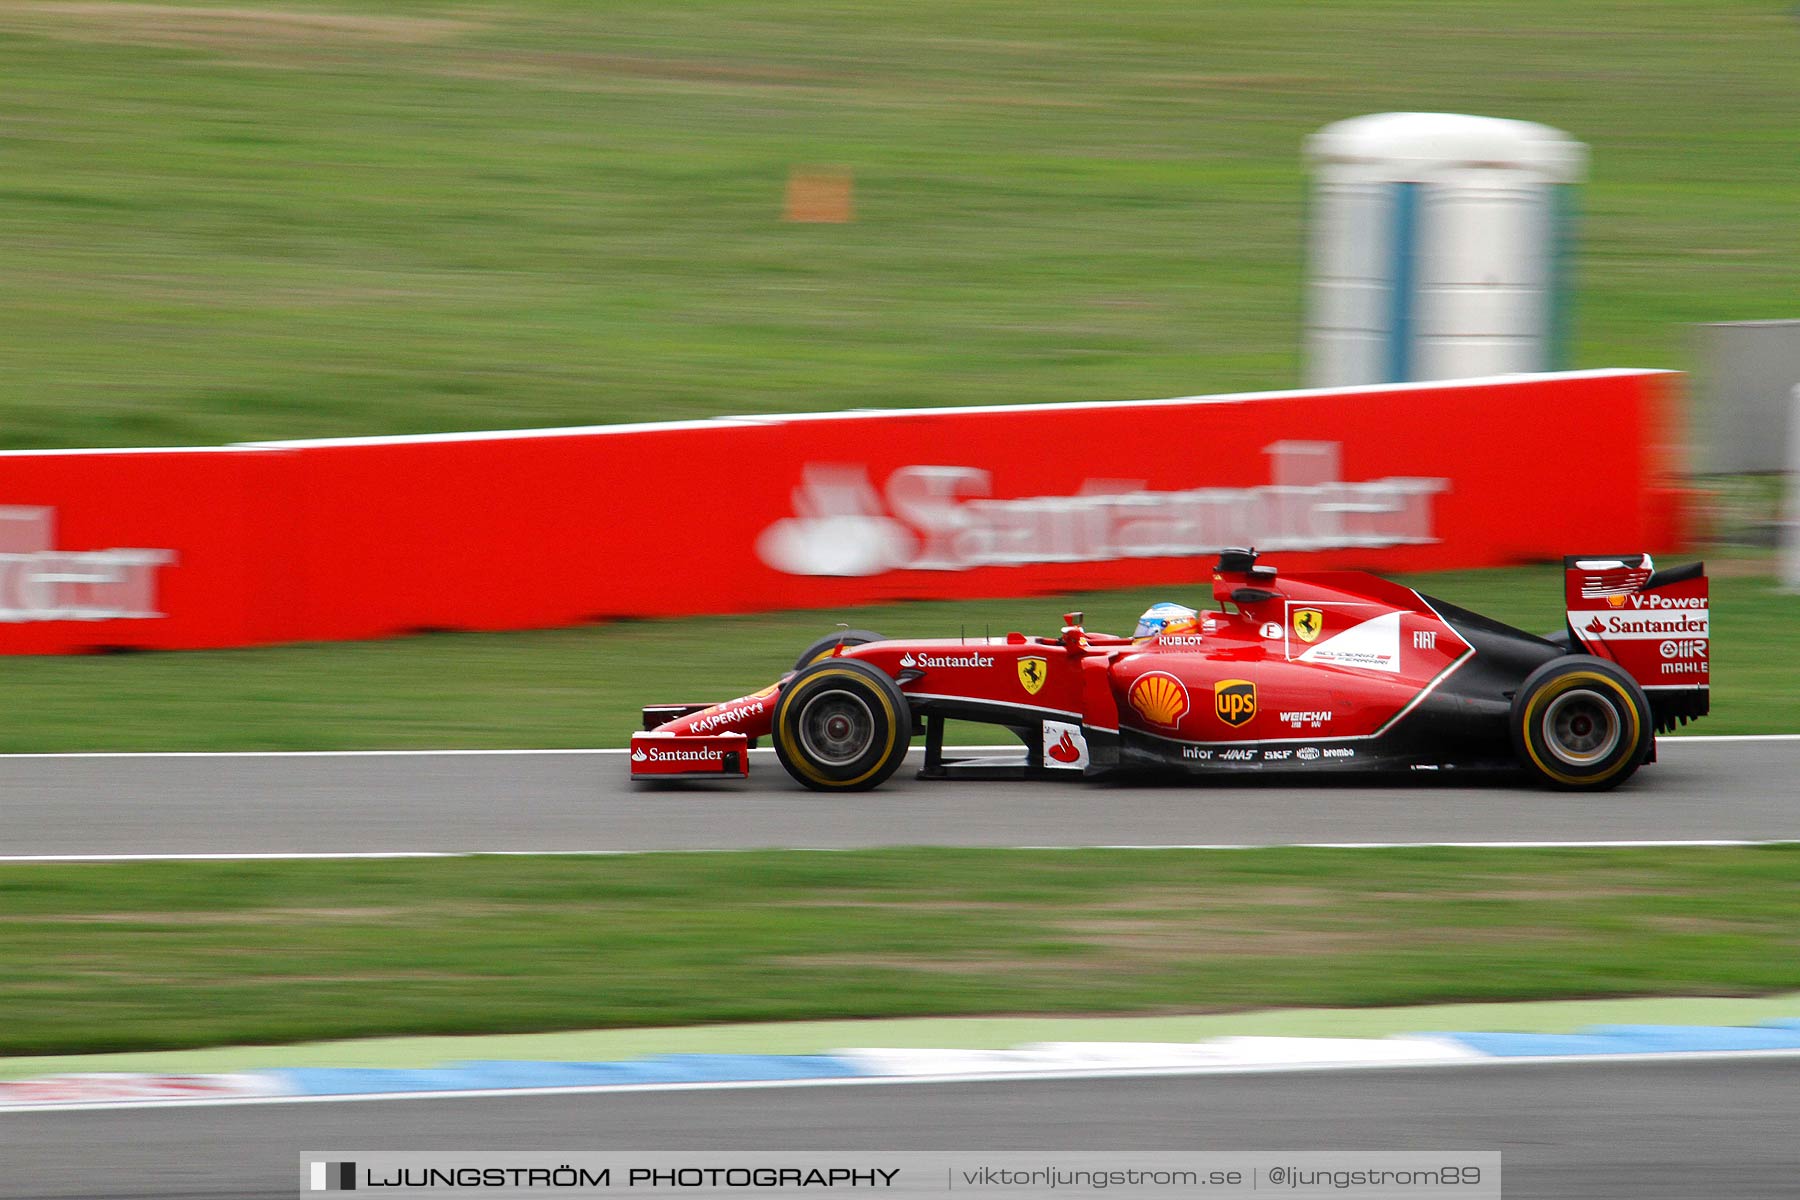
(1166, 618)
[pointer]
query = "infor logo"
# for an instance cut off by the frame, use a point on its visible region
(1234, 700)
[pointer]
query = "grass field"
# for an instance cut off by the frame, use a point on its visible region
(248, 220)
(123, 957)
(584, 687)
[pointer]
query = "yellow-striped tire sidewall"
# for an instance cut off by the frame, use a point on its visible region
(790, 707)
(1596, 681)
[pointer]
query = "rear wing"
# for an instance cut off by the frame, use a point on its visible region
(1655, 624)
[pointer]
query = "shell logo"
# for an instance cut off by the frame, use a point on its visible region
(1160, 697)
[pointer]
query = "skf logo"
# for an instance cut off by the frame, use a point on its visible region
(1307, 624)
(1032, 673)
(1235, 699)
(1160, 697)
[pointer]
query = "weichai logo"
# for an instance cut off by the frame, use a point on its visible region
(1234, 700)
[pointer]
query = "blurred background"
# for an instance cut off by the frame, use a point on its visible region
(236, 223)
(229, 223)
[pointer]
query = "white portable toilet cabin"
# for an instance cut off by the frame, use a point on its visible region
(1439, 248)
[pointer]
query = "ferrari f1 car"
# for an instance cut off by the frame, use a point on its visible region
(1321, 672)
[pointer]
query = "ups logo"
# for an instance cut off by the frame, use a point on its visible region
(1234, 700)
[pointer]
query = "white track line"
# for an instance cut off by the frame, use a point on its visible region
(313, 855)
(896, 1080)
(1662, 744)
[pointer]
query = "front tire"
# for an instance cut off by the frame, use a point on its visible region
(841, 726)
(1581, 723)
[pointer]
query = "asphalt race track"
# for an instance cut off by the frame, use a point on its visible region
(546, 801)
(1593, 1129)
(1638, 1130)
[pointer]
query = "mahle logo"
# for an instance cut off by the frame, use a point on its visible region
(1235, 701)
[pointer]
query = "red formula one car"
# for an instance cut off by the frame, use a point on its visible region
(1323, 672)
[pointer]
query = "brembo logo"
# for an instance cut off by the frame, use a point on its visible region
(38, 583)
(943, 518)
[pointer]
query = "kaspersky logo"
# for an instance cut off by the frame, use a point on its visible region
(1234, 700)
(727, 715)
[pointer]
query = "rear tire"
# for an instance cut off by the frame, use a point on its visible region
(1581, 723)
(841, 726)
(821, 649)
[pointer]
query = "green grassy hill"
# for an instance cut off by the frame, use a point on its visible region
(236, 222)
